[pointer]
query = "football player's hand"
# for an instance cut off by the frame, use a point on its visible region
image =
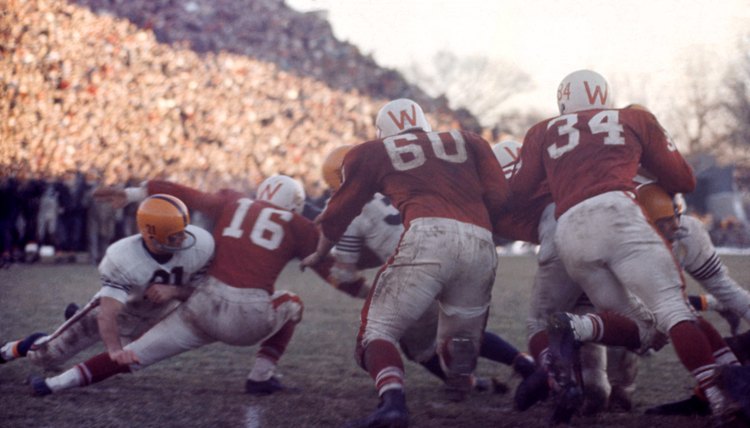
(160, 293)
(732, 319)
(113, 195)
(356, 288)
(322, 250)
(658, 341)
(311, 260)
(124, 357)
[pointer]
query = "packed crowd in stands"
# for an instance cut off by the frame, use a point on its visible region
(229, 98)
(213, 94)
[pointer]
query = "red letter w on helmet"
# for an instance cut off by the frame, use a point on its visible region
(598, 93)
(403, 117)
(267, 193)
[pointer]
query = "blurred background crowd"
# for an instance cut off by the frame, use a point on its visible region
(211, 94)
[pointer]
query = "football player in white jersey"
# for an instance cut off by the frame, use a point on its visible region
(696, 254)
(368, 242)
(694, 251)
(236, 303)
(144, 277)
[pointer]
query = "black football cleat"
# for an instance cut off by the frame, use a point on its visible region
(71, 310)
(569, 400)
(39, 386)
(563, 349)
(740, 346)
(391, 413)
(265, 387)
(693, 406)
(620, 399)
(532, 389)
(732, 319)
(524, 365)
(565, 367)
(734, 381)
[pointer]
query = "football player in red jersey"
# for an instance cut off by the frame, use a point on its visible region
(447, 187)
(254, 241)
(589, 156)
(532, 220)
(369, 240)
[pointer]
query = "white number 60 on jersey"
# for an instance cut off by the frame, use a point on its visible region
(417, 158)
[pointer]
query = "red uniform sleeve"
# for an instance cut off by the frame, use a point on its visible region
(496, 188)
(661, 158)
(521, 223)
(209, 204)
(529, 177)
(306, 240)
(357, 189)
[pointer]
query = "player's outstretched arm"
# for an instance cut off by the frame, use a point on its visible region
(110, 194)
(110, 333)
(324, 247)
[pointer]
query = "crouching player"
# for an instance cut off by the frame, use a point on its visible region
(236, 303)
(144, 278)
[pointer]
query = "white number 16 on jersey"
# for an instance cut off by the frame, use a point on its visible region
(266, 233)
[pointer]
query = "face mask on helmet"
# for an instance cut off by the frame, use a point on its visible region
(508, 154)
(661, 211)
(583, 90)
(284, 192)
(400, 115)
(162, 220)
(332, 166)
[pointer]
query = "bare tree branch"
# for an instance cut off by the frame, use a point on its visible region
(476, 83)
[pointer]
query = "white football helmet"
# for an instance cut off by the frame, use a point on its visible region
(583, 90)
(508, 154)
(400, 115)
(284, 192)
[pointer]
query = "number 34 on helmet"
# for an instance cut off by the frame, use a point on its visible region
(162, 220)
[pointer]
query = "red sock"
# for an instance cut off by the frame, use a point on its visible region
(384, 363)
(691, 345)
(619, 330)
(273, 347)
(537, 344)
(100, 367)
(714, 338)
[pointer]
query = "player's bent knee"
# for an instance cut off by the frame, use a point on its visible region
(292, 303)
(669, 317)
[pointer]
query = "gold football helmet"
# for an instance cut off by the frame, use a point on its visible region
(656, 203)
(162, 220)
(332, 166)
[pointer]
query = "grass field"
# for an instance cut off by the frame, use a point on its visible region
(205, 387)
